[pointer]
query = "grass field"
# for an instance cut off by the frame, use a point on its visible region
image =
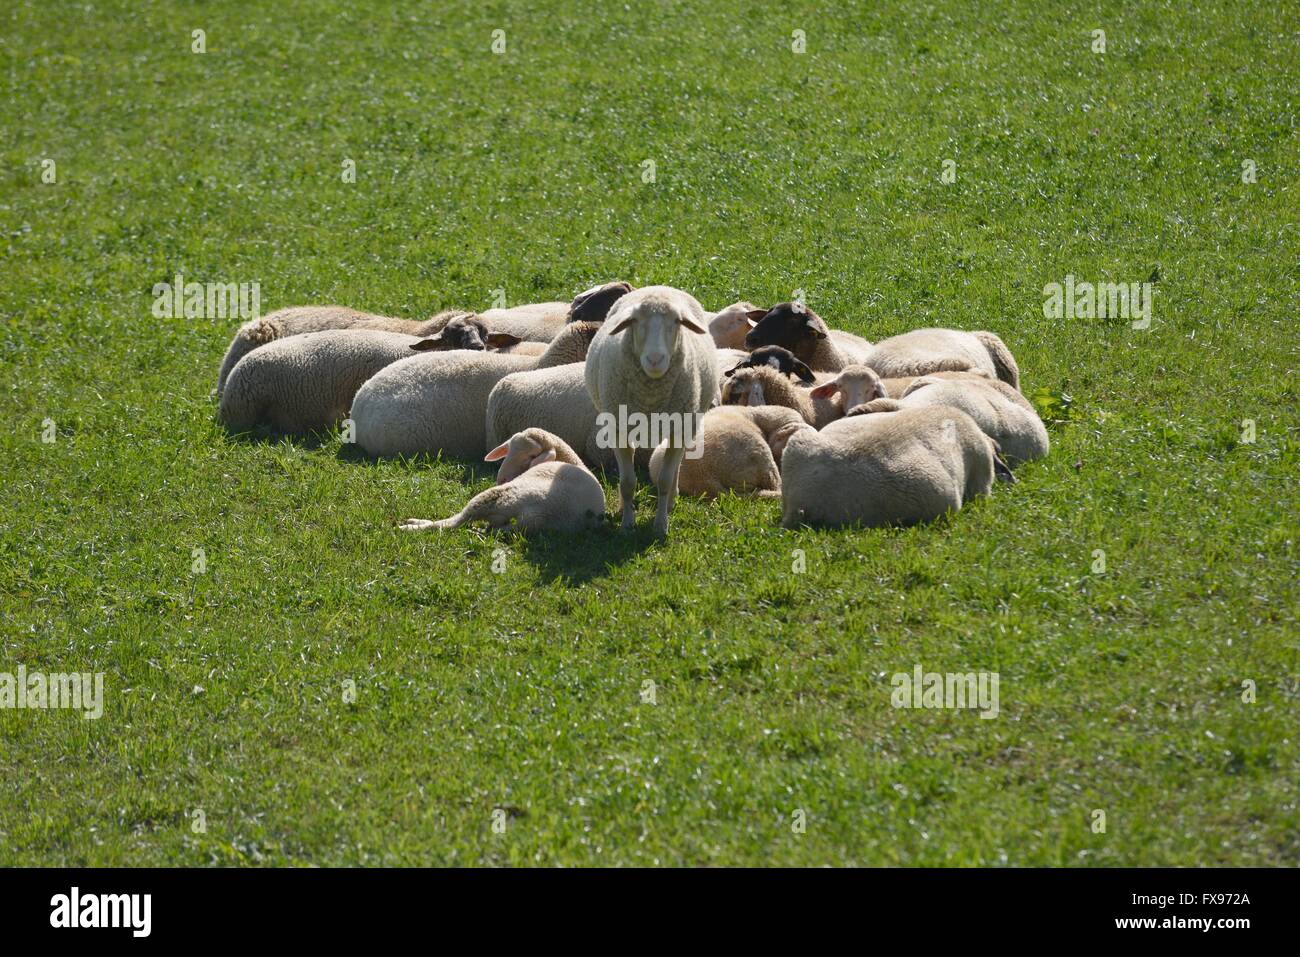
(522, 690)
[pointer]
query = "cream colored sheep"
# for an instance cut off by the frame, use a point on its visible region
(763, 385)
(541, 485)
(736, 454)
(652, 361)
(437, 403)
(730, 326)
(1000, 411)
(306, 382)
(890, 468)
(923, 351)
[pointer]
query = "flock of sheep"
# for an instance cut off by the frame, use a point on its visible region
(842, 430)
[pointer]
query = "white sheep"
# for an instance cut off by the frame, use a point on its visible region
(555, 399)
(438, 402)
(299, 320)
(890, 468)
(737, 453)
(763, 385)
(541, 484)
(652, 362)
(1002, 412)
(923, 351)
(306, 382)
(795, 327)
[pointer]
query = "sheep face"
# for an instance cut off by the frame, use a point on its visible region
(792, 326)
(782, 360)
(465, 332)
(654, 324)
(858, 383)
(729, 327)
(745, 387)
(594, 304)
(518, 454)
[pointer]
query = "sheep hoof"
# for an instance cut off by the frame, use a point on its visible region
(629, 521)
(661, 527)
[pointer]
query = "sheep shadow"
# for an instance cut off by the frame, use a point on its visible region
(578, 559)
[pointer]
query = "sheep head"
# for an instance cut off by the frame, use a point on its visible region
(521, 452)
(751, 386)
(792, 326)
(782, 360)
(465, 331)
(729, 327)
(860, 385)
(654, 318)
(594, 304)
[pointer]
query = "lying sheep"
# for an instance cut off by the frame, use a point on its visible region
(891, 468)
(539, 322)
(298, 320)
(467, 331)
(923, 351)
(437, 402)
(736, 453)
(652, 359)
(1000, 411)
(555, 399)
(541, 484)
(795, 327)
(855, 384)
(763, 385)
(782, 360)
(730, 326)
(306, 382)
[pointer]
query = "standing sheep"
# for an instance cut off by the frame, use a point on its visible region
(651, 360)
(305, 383)
(923, 351)
(794, 326)
(541, 484)
(736, 454)
(892, 468)
(438, 402)
(1005, 416)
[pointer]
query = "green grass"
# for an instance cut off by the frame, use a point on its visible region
(1120, 691)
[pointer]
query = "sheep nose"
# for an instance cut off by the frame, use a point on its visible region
(655, 364)
(751, 342)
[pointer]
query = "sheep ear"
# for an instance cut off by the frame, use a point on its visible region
(502, 340)
(625, 324)
(754, 315)
(547, 456)
(692, 325)
(803, 372)
(424, 345)
(498, 453)
(825, 391)
(730, 372)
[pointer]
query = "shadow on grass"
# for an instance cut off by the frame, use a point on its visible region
(577, 559)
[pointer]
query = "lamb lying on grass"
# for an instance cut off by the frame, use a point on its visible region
(306, 383)
(736, 455)
(541, 484)
(888, 468)
(923, 351)
(1000, 411)
(652, 359)
(797, 328)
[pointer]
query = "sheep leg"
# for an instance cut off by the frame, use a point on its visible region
(667, 487)
(416, 525)
(627, 485)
